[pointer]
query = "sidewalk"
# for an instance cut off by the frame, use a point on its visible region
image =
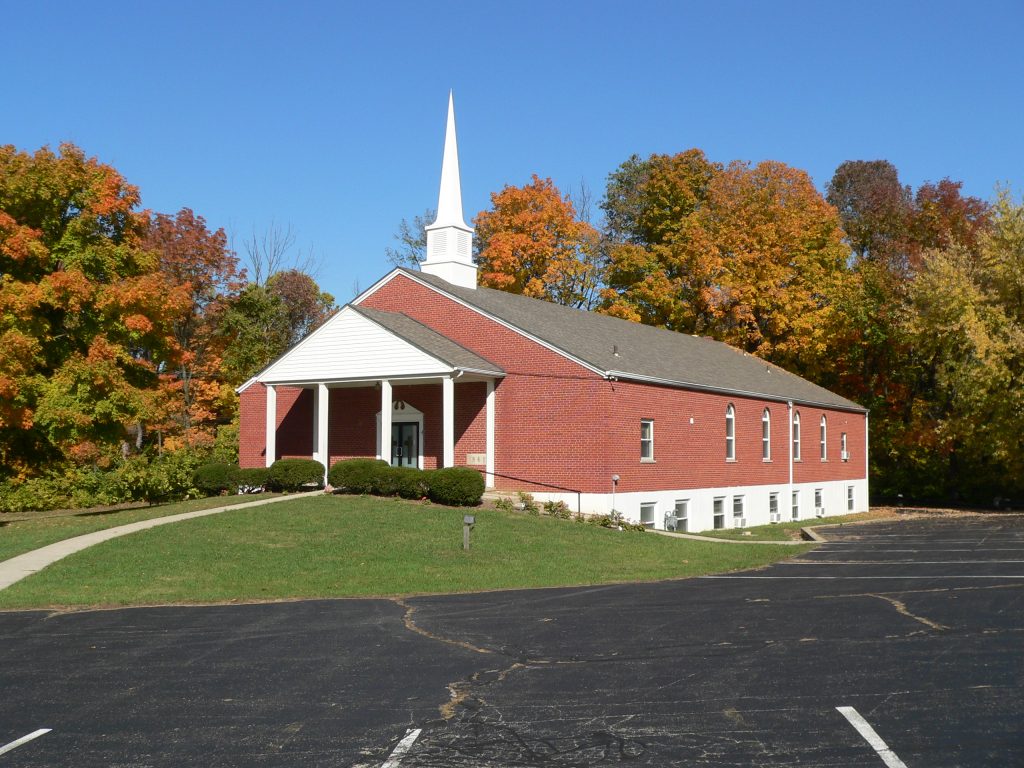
(17, 568)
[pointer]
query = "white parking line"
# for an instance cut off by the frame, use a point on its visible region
(864, 729)
(395, 759)
(18, 742)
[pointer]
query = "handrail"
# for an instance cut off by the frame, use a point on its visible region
(577, 491)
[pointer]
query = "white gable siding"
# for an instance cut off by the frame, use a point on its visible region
(349, 346)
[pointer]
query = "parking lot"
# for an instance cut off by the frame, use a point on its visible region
(896, 643)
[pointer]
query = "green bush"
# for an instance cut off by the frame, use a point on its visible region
(410, 483)
(295, 474)
(558, 509)
(168, 477)
(529, 505)
(456, 486)
(505, 504)
(216, 477)
(35, 494)
(357, 475)
(251, 480)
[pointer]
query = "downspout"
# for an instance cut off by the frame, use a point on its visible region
(789, 440)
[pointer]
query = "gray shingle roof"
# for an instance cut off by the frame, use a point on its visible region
(429, 340)
(631, 350)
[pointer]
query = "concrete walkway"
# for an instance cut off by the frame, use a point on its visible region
(17, 568)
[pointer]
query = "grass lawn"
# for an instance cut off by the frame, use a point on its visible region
(790, 530)
(336, 546)
(17, 537)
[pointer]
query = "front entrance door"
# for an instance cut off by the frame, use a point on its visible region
(405, 444)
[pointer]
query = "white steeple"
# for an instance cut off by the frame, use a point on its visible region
(449, 238)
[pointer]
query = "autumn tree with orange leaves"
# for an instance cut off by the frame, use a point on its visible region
(532, 242)
(80, 300)
(744, 254)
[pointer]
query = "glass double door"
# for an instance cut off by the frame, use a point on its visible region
(405, 444)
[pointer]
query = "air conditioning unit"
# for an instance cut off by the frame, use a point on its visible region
(739, 522)
(844, 455)
(776, 517)
(819, 511)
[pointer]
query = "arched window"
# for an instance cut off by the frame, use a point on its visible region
(796, 436)
(766, 435)
(730, 433)
(821, 438)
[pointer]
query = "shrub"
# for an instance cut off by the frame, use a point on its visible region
(557, 509)
(216, 477)
(410, 483)
(456, 486)
(251, 480)
(295, 474)
(356, 475)
(505, 504)
(162, 478)
(528, 505)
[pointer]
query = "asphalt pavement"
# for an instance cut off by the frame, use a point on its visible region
(894, 644)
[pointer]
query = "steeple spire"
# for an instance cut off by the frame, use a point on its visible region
(449, 238)
(449, 201)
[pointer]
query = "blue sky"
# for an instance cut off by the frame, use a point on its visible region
(329, 116)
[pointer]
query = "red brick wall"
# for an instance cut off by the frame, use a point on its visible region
(557, 422)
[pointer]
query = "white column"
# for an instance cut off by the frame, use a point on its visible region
(448, 419)
(321, 397)
(385, 420)
(271, 440)
(489, 479)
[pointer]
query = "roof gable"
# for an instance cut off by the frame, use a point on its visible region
(357, 343)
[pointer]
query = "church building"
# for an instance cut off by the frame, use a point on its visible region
(427, 369)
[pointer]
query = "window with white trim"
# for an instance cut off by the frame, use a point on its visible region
(646, 439)
(817, 500)
(730, 433)
(773, 507)
(842, 447)
(737, 512)
(849, 498)
(648, 512)
(766, 435)
(822, 438)
(795, 505)
(718, 512)
(796, 436)
(682, 515)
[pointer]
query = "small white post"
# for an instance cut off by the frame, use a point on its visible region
(271, 440)
(448, 419)
(385, 420)
(489, 466)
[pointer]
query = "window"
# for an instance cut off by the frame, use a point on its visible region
(737, 512)
(766, 436)
(842, 447)
(796, 436)
(796, 505)
(849, 498)
(730, 433)
(821, 438)
(817, 500)
(647, 512)
(773, 508)
(682, 515)
(719, 512)
(646, 439)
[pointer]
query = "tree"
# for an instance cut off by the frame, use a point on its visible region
(197, 263)
(531, 242)
(747, 255)
(412, 241)
(876, 210)
(79, 298)
(306, 307)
